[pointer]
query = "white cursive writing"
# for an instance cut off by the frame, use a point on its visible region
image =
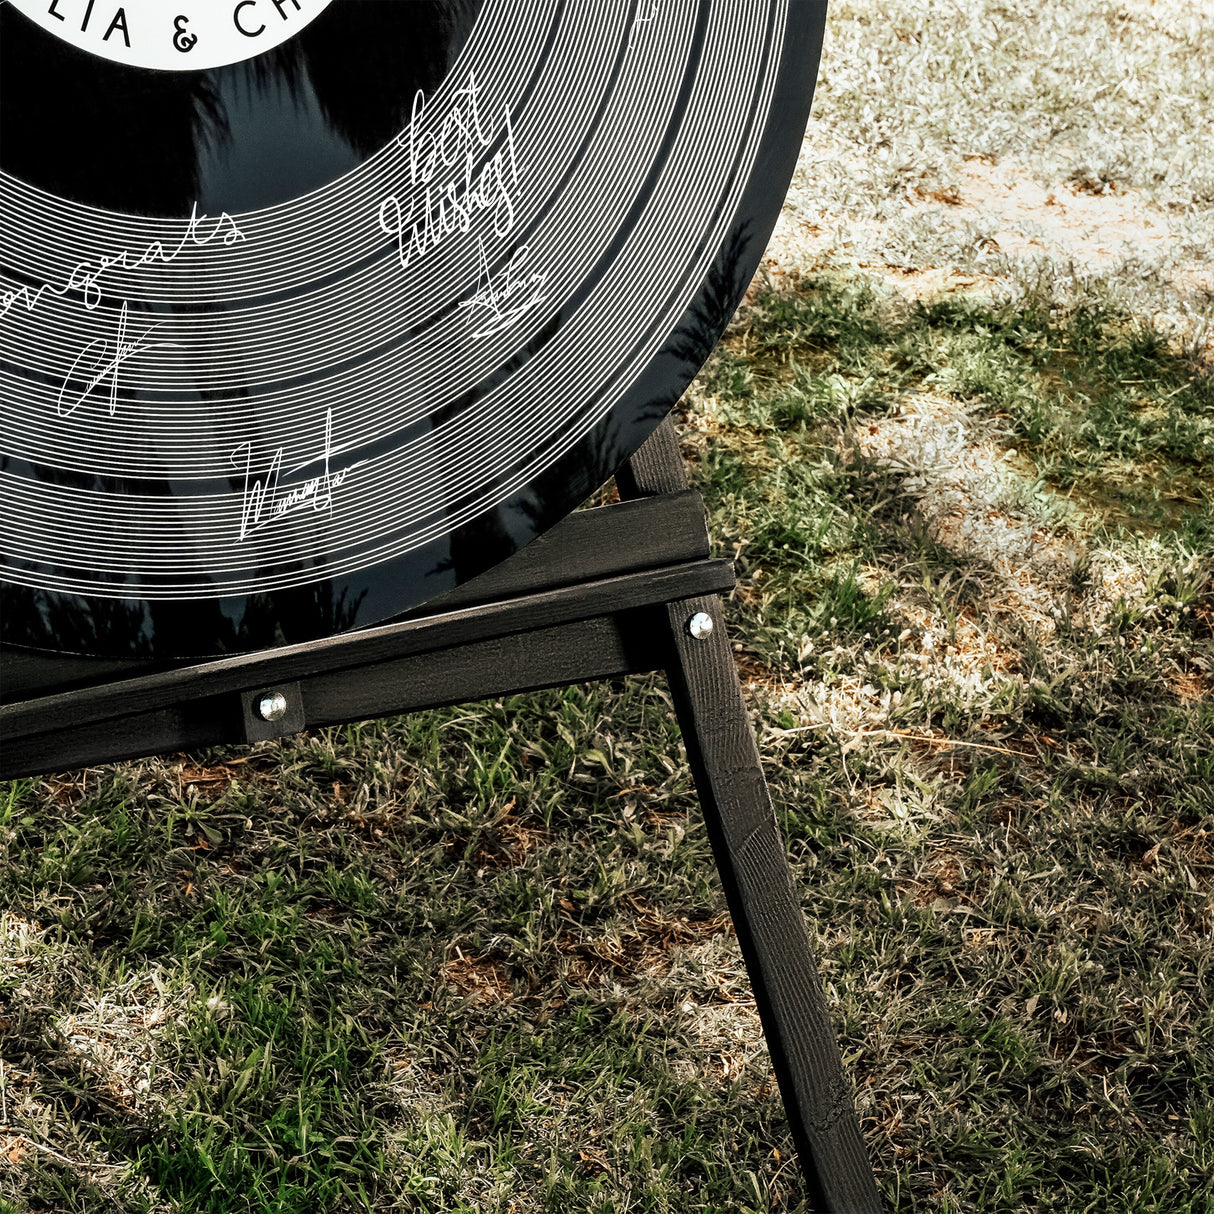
(451, 205)
(110, 357)
(640, 21)
(85, 275)
(493, 298)
(265, 500)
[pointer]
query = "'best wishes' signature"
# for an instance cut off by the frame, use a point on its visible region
(265, 499)
(445, 162)
(498, 304)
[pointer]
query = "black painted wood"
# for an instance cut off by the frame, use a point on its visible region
(259, 727)
(603, 647)
(758, 884)
(203, 703)
(27, 672)
(589, 545)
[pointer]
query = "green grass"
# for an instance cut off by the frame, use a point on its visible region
(414, 979)
(477, 959)
(1027, 848)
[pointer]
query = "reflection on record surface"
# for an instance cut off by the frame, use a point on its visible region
(234, 138)
(290, 345)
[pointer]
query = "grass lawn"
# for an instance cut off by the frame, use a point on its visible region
(960, 443)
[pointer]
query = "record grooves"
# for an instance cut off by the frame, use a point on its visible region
(290, 344)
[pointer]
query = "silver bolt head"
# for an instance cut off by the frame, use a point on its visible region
(700, 625)
(272, 707)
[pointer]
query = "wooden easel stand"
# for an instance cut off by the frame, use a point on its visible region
(605, 593)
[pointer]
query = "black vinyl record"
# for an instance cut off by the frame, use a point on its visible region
(312, 309)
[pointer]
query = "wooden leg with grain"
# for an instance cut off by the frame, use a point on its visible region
(755, 873)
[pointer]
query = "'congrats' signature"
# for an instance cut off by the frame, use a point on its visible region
(86, 276)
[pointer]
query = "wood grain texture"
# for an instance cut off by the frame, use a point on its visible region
(185, 725)
(603, 647)
(163, 689)
(656, 468)
(27, 672)
(605, 598)
(767, 915)
(758, 885)
(588, 545)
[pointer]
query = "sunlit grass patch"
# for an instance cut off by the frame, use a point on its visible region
(962, 383)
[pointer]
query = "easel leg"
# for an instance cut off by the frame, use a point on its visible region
(767, 914)
(758, 884)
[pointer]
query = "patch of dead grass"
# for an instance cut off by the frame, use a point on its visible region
(481, 979)
(644, 949)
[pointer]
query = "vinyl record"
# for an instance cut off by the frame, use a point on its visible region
(312, 309)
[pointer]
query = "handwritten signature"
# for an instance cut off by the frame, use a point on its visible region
(451, 206)
(640, 21)
(110, 359)
(265, 499)
(86, 275)
(493, 298)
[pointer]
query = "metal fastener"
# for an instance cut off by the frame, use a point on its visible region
(272, 706)
(700, 625)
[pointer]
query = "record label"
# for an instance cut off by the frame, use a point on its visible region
(185, 35)
(294, 340)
